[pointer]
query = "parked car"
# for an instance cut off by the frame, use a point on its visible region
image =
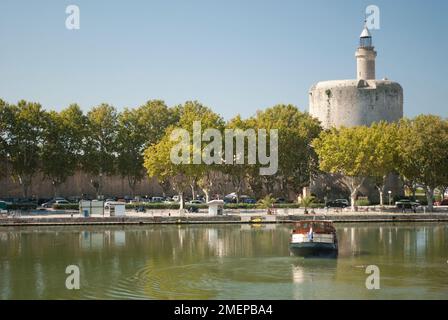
(3, 207)
(280, 200)
(250, 201)
(107, 203)
(41, 201)
(404, 204)
(338, 203)
(157, 199)
(168, 200)
(50, 203)
(201, 198)
(229, 200)
(195, 202)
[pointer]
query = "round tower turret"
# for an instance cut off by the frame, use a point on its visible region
(365, 56)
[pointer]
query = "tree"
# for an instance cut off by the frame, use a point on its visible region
(307, 202)
(202, 174)
(422, 158)
(348, 152)
(158, 160)
(267, 203)
(4, 120)
(382, 137)
(100, 150)
(235, 172)
(209, 181)
(64, 136)
(24, 133)
(138, 129)
(297, 159)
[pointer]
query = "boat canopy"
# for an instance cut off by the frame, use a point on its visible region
(319, 226)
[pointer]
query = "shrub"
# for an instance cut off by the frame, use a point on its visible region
(149, 205)
(362, 202)
(240, 206)
(21, 206)
(68, 206)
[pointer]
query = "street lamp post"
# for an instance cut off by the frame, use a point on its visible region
(390, 202)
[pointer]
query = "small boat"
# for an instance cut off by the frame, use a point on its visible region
(314, 238)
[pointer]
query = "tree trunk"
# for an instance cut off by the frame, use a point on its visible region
(166, 187)
(381, 192)
(238, 192)
(207, 194)
(25, 190)
(56, 187)
(132, 182)
(381, 198)
(181, 201)
(354, 183)
(430, 197)
(442, 192)
(353, 194)
(25, 182)
(193, 191)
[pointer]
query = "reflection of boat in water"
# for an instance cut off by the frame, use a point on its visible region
(314, 238)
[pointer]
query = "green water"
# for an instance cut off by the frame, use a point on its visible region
(221, 262)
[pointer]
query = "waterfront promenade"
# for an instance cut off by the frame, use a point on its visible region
(230, 216)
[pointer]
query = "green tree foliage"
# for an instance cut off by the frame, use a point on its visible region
(346, 152)
(382, 138)
(307, 202)
(4, 115)
(137, 130)
(297, 159)
(422, 156)
(24, 131)
(101, 144)
(267, 203)
(237, 173)
(64, 137)
(157, 160)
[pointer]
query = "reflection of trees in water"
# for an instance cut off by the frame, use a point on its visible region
(406, 253)
(188, 260)
(400, 241)
(105, 254)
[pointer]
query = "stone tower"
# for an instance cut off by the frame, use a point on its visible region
(360, 101)
(365, 57)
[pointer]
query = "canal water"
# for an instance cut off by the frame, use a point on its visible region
(221, 262)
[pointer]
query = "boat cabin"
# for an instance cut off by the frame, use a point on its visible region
(318, 227)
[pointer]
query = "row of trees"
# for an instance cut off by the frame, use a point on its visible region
(414, 149)
(135, 144)
(297, 161)
(57, 144)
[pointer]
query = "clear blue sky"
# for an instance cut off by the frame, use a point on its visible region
(233, 56)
